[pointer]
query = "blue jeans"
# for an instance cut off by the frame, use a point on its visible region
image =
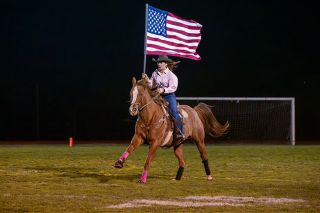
(171, 99)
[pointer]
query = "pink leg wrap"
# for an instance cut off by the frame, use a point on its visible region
(144, 176)
(124, 156)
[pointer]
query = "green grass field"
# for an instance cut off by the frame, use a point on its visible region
(56, 178)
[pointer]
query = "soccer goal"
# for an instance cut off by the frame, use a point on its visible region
(253, 118)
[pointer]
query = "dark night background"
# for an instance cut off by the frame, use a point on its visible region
(78, 58)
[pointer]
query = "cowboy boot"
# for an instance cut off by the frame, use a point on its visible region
(179, 138)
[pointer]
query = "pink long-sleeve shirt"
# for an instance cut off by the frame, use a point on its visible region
(167, 80)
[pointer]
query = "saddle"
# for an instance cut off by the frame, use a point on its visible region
(172, 130)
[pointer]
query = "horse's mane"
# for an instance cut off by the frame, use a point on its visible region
(144, 83)
(153, 93)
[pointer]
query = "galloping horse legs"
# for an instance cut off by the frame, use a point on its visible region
(136, 141)
(203, 154)
(178, 151)
(151, 154)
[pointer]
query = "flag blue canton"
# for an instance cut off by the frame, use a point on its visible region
(157, 20)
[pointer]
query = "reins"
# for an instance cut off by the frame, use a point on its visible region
(149, 102)
(155, 124)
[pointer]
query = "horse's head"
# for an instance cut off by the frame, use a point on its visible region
(138, 95)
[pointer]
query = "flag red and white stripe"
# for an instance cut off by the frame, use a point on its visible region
(171, 35)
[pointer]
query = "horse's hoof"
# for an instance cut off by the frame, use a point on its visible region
(209, 177)
(141, 181)
(118, 164)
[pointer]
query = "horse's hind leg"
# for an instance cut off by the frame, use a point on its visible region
(203, 154)
(178, 151)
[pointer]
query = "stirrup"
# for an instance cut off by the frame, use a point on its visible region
(179, 139)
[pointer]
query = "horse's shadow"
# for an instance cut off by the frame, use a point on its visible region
(100, 177)
(73, 172)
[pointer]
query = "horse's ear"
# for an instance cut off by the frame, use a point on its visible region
(134, 81)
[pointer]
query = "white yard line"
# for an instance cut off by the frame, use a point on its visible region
(200, 201)
(244, 199)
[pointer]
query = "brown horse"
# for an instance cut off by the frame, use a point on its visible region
(154, 126)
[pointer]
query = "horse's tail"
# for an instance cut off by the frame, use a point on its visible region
(209, 121)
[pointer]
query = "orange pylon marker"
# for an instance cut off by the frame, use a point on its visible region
(70, 142)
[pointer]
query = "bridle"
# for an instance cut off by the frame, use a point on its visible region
(140, 108)
(144, 106)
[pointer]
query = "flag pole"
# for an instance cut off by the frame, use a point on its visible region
(145, 40)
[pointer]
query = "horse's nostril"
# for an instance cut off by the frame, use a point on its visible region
(133, 110)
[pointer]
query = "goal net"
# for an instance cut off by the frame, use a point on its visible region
(259, 119)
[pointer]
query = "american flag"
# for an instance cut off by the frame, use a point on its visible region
(169, 34)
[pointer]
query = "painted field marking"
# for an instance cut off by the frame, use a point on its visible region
(200, 201)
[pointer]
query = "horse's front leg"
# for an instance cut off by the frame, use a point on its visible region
(154, 145)
(136, 141)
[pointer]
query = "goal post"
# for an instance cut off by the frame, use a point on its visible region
(262, 118)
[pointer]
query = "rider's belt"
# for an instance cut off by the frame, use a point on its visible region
(166, 94)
